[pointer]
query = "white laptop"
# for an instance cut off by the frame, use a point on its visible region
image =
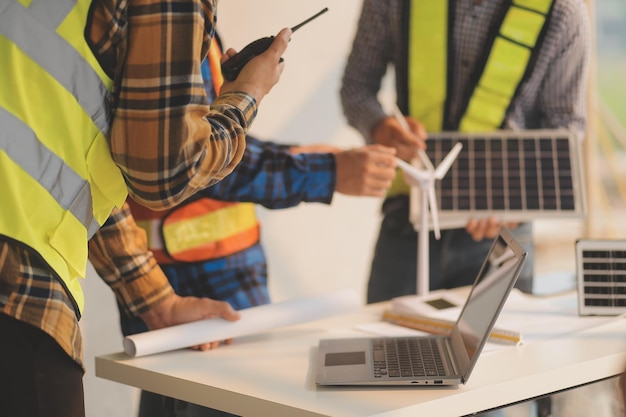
(429, 359)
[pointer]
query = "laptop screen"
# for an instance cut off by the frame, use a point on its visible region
(497, 276)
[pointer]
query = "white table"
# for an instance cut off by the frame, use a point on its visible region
(273, 374)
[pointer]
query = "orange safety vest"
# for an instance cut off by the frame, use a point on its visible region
(201, 228)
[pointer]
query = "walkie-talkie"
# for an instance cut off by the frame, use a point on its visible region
(232, 67)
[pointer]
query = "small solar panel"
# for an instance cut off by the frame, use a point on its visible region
(601, 275)
(515, 176)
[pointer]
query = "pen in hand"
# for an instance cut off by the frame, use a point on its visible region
(403, 123)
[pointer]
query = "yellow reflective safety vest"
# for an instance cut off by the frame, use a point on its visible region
(198, 230)
(57, 178)
(201, 228)
(507, 61)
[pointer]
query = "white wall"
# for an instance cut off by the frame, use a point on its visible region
(311, 248)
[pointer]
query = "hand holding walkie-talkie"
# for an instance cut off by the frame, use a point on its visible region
(234, 65)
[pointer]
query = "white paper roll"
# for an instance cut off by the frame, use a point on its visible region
(253, 320)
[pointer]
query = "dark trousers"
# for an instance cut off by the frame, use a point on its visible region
(37, 378)
(155, 405)
(454, 260)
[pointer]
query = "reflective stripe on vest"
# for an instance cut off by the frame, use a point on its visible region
(209, 229)
(57, 177)
(198, 231)
(202, 229)
(427, 79)
(505, 67)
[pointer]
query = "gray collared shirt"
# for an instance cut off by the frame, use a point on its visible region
(553, 96)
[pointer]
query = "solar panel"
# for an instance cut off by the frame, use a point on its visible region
(514, 176)
(601, 275)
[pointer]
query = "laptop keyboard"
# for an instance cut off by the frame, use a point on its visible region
(407, 357)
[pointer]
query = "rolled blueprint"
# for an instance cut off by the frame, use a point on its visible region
(253, 320)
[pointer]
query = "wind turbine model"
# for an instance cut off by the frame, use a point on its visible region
(425, 178)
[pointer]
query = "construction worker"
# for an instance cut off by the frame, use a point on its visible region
(100, 98)
(209, 246)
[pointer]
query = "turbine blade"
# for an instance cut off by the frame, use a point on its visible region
(411, 171)
(400, 118)
(445, 165)
(425, 161)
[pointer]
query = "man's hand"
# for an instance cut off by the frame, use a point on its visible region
(262, 72)
(486, 228)
(390, 132)
(366, 171)
(177, 310)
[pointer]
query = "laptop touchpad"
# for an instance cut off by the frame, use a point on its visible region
(344, 358)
